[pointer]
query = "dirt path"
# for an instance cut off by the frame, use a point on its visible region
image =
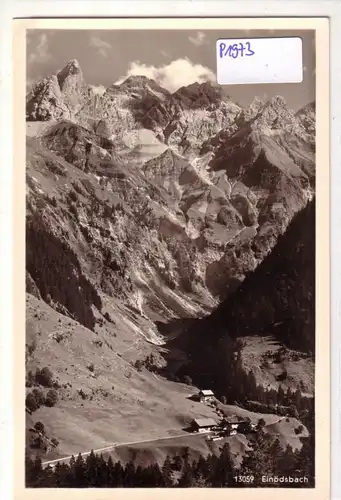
(117, 445)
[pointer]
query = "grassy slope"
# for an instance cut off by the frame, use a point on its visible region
(257, 356)
(139, 405)
(198, 445)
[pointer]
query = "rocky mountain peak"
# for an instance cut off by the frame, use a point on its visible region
(277, 101)
(268, 111)
(199, 87)
(70, 73)
(306, 117)
(138, 86)
(142, 82)
(137, 81)
(72, 67)
(271, 117)
(58, 96)
(276, 114)
(45, 101)
(199, 95)
(307, 108)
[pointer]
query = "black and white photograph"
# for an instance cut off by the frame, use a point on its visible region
(170, 264)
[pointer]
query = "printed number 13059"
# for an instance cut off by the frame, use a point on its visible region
(244, 479)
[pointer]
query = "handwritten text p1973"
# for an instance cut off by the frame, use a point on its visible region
(235, 50)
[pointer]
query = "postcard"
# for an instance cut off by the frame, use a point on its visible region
(172, 258)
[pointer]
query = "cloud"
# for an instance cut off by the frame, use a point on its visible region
(172, 76)
(102, 47)
(98, 89)
(41, 53)
(199, 39)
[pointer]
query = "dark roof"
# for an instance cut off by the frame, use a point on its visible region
(205, 422)
(207, 392)
(234, 420)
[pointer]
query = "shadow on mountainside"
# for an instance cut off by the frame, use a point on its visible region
(277, 299)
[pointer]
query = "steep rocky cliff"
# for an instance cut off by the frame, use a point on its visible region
(224, 186)
(272, 314)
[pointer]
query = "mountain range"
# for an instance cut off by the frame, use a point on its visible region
(149, 208)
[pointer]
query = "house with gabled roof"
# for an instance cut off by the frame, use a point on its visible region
(205, 395)
(203, 424)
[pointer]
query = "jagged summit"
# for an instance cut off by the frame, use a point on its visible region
(138, 81)
(310, 107)
(268, 109)
(198, 86)
(71, 70)
(271, 117)
(58, 96)
(275, 103)
(139, 85)
(199, 95)
(184, 120)
(72, 66)
(277, 100)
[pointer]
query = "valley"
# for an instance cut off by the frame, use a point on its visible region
(169, 248)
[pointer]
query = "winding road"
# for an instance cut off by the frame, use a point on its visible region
(117, 445)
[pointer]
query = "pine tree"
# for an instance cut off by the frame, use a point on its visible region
(260, 425)
(281, 397)
(305, 461)
(293, 411)
(118, 474)
(64, 475)
(139, 477)
(185, 455)
(211, 464)
(258, 461)
(91, 469)
(110, 472)
(224, 470)
(102, 473)
(202, 471)
(58, 475)
(298, 400)
(251, 385)
(49, 480)
(72, 467)
(199, 481)
(286, 463)
(288, 397)
(157, 475)
(187, 479)
(177, 463)
(276, 453)
(167, 472)
(29, 470)
(148, 477)
(272, 397)
(129, 473)
(81, 480)
(37, 472)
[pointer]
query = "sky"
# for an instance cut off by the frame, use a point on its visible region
(172, 58)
